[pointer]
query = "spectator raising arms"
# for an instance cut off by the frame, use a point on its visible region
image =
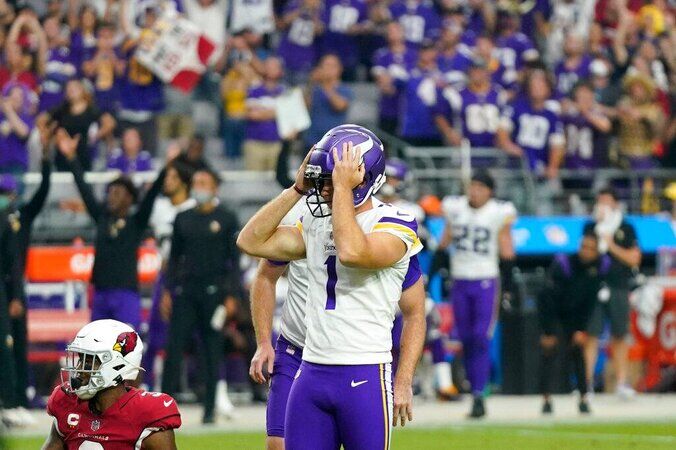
(78, 116)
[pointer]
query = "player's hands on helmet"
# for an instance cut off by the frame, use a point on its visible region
(262, 362)
(403, 402)
(348, 171)
(301, 182)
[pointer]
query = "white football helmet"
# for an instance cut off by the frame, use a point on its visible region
(103, 354)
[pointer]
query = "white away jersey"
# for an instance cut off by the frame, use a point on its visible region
(475, 236)
(350, 311)
(293, 311)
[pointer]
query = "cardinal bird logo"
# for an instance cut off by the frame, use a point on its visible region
(126, 342)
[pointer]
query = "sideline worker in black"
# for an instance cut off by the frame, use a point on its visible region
(10, 288)
(574, 285)
(204, 277)
(21, 220)
(118, 236)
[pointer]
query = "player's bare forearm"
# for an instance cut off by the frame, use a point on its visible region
(505, 243)
(263, 293)
(349, 237)
(412, 305)
(263, 237)
(54, 441)
(628, 256)
(161, 440)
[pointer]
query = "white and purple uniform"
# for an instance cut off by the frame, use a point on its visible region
(477, 113)
(263, 130)
(567, 77)
(339, 16)
(475, 270)
(586, 147)
(534, 130)
(515, 50)
(343, 390)
(60, 67)
(398, 66)
(419, 20)
(298, 45)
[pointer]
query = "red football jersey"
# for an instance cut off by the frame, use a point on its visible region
(123, 426)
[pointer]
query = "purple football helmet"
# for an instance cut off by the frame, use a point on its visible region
(398, 177)
(320, 166)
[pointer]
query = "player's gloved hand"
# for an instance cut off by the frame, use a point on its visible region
(403, 402)
(262, 363)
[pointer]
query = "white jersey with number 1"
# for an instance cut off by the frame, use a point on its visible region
(475, 236)
(350, 311)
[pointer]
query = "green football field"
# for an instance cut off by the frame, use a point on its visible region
(597, 436)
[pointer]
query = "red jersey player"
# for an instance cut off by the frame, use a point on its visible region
(94, 410)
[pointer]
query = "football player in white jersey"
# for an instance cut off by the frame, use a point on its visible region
(480, 228)
(358, 251)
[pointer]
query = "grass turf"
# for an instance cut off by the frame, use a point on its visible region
(596, 436)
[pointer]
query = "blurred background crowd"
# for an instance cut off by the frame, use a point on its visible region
(558, 98)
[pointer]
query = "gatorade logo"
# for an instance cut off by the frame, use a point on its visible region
(667, 331)
(82, 263)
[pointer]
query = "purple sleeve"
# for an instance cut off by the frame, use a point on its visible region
(412, 274)
(272, 262)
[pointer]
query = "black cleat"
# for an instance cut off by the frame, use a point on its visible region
(547, 408)
(583, 407)
(208, 418)
(478, 409)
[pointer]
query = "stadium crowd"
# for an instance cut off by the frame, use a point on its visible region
(571, 84)
(599, 74)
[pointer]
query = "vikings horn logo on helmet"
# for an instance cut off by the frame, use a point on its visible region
(126, 342)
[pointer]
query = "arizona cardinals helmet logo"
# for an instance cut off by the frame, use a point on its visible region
(126, 342)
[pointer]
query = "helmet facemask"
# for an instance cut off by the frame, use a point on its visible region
(82, 375)
(87, 373)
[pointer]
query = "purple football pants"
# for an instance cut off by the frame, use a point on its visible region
(157, 334)
(330, 406)
(475, 308)
(119, 304)
(288, 358)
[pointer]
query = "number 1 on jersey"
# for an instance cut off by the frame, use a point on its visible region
(331, 282)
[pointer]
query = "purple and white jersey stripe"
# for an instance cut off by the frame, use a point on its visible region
(350, 311)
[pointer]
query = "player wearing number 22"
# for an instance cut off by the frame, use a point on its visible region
(94, 410)
(358, 252)
(480, 229)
